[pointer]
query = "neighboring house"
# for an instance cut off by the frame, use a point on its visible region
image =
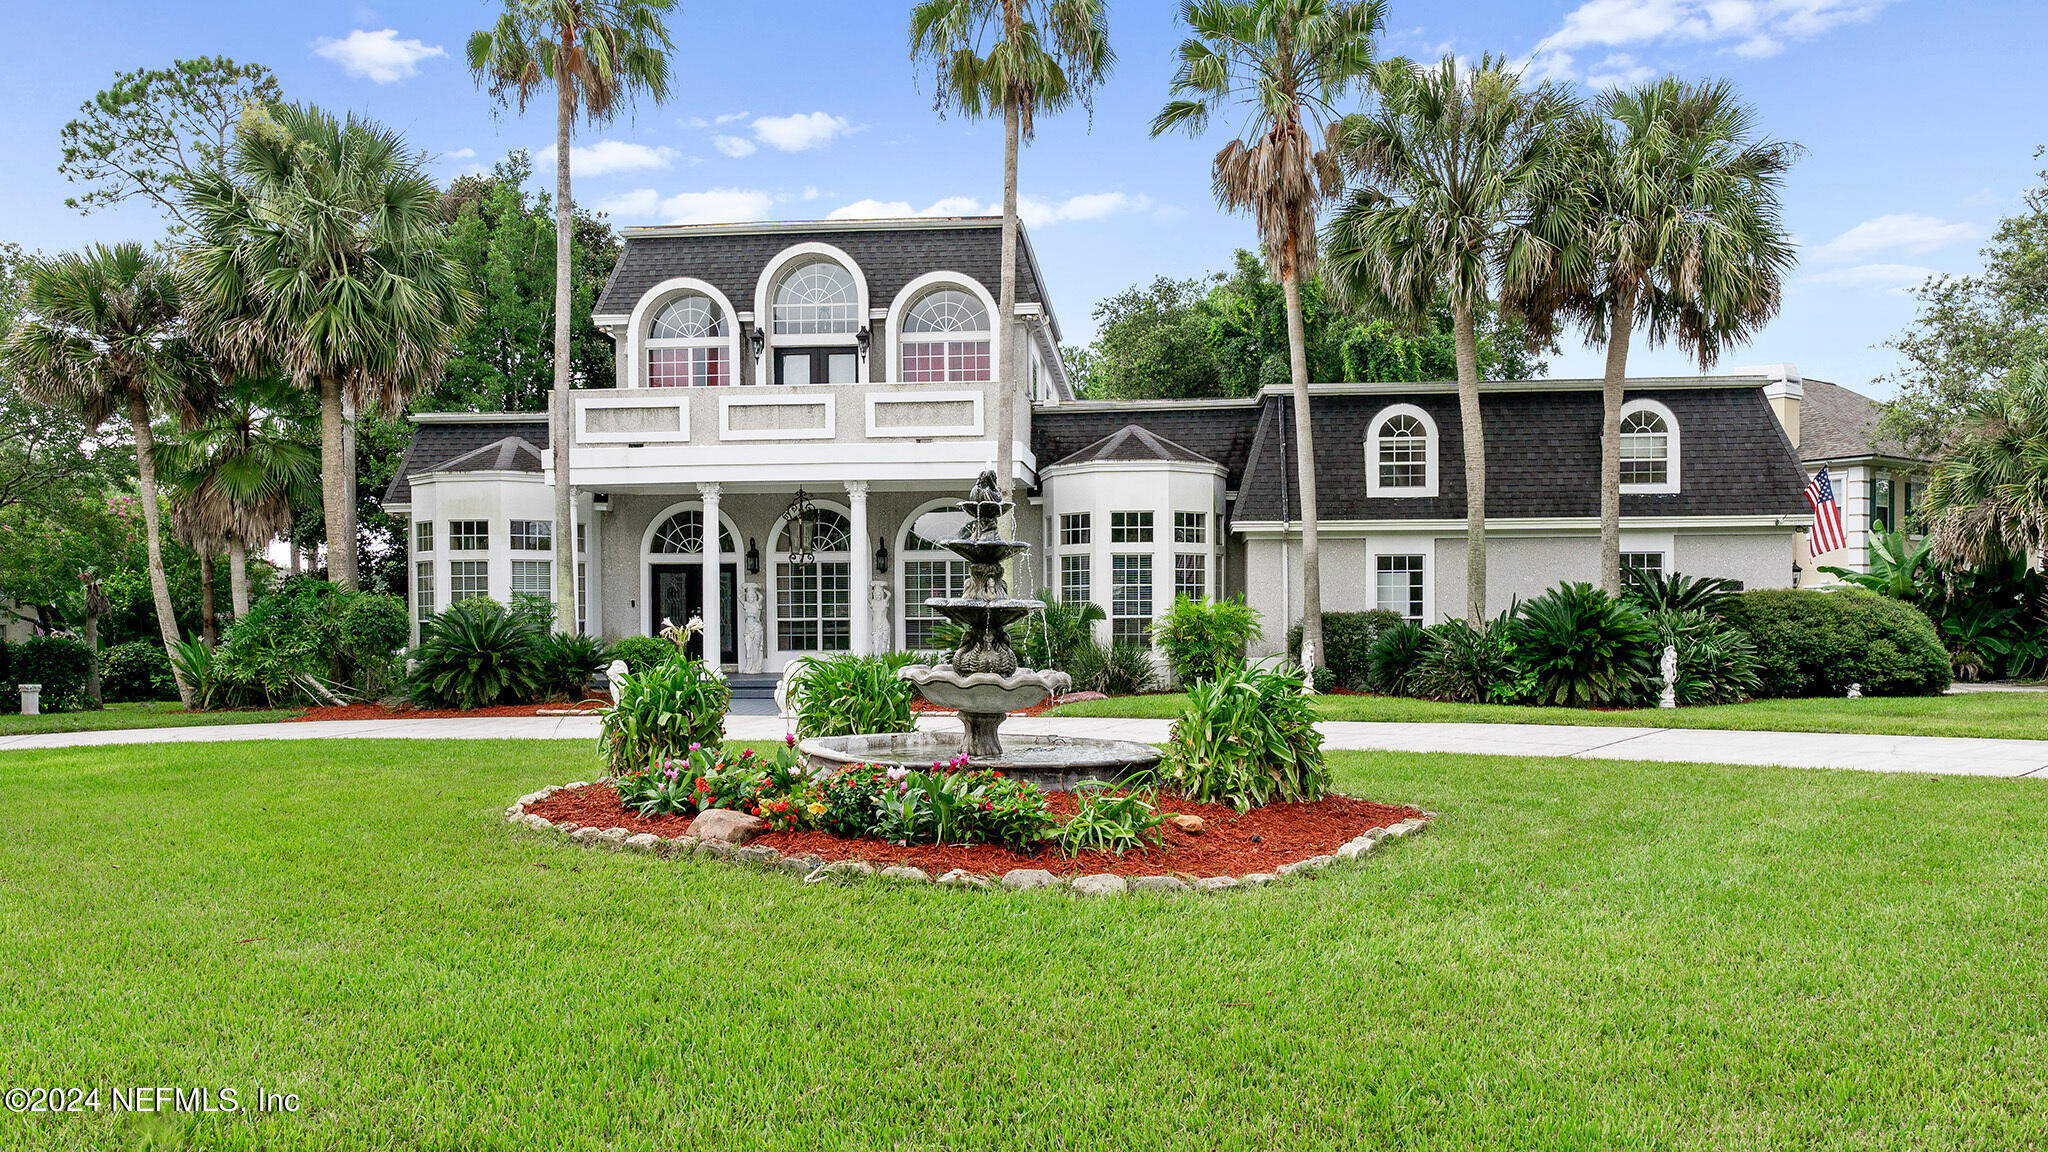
(825, 393)
(1876, 478)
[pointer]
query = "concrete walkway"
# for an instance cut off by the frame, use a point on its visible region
(1942, 755)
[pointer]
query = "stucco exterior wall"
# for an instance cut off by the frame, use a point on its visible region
(1759, 560)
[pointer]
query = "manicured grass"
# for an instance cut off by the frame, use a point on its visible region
(160, 715)
(1580, 955)
(2017, 715)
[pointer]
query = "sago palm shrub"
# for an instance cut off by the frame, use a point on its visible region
(1578, 647)
(476, 654)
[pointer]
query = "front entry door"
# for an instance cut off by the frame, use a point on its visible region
(679, 595)
(815, 365)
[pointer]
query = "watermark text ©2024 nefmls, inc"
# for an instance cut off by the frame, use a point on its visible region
(148, 1098)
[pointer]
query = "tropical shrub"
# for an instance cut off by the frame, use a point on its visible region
(1202, 638)
(1397, 654)
(1817, 643)
(1468, 665)
(657, 715)
(1578, 647)
(852, 695)
(568, 663)
(1716, 660)
(644, 652)
(1994, 620)
(1677, 592)
(1348, 638)
(477, 654)
(1248, 738)
(1112, 669)
(1109, 821)
(7, 663)
(137, 672)
(308, 642)
(58, 663)
(194, 661)
(1898, 568)
(1056, 634)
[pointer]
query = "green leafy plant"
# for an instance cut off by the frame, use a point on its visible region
(1248, 738)
(1898, 568)
(568, 662)
(1110, 821)
(1201, 638)
(58, 663)
(660, 714)
(1580, 648)
(1057, 634)
(1716, 660)
(1817, 643)
(194, 661)
(1677, 592)
(1469, 665)
(477, 654)
(136, 672)
(951, 804)
(852, 695)
(644, 652)
(1397, 654)
(310, 642)
(1348, 639)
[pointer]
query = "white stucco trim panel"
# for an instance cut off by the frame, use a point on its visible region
(827, 429)
(880, 400)
(676, 398)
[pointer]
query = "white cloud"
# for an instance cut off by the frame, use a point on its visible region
(811, 192)
(1619, 70)
(1753, 29)
(458, 154)
(1892, 277)
(800, 132)
(734, 146)
(608, 156)
(732, 117)
(875, 210)
(1035, 211)
(717, 206)
(1899, 232)
(639, 204)
(377, 56)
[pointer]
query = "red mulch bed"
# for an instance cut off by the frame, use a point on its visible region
(380, 712)
(1231, 845)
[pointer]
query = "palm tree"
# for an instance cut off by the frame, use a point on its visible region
(241, 469)
(1462, 192)
(99, 334)
(1681, 240)
(1021, 57)
(320, 257)
(1988, 498)
(1285, 63)
(595, 54)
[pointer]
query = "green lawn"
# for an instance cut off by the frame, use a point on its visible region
(162, 715)
(2019, 715)
(1580, 955)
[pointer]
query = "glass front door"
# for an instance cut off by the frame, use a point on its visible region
(815, 365)
(679, 595)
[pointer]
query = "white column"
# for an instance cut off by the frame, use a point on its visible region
(712, 560)
(857, 574)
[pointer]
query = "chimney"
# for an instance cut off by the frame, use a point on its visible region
(1784, 389)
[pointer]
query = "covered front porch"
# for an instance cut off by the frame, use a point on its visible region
(793, 569)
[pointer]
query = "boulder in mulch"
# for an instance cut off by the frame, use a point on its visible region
(727, 825)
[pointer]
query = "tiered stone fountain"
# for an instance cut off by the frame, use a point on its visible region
(983, 681)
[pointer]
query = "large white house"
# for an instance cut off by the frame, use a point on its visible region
(800, 404)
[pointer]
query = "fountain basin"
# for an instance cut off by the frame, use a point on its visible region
(983, 692)
(1050, 763)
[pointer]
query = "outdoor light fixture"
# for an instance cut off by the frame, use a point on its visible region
(801, 522)
(860, 340)
(753, 557)
(881, 557)
(758, 339)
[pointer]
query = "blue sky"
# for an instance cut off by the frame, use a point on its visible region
(1918, 118)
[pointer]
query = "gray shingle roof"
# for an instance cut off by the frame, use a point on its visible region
(889, 258)
(509, 443)
(1836, 423)
(1222, 434)
(1132, 443)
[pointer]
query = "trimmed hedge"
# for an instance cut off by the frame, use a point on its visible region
(138, 672)
(60, 665)
(1813, 643)
(1347, 644)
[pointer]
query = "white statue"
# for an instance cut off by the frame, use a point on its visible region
(1669, 667)
(754, 629)
(878, 615)
(615, 675)
(1308, 666)
(1855, 691)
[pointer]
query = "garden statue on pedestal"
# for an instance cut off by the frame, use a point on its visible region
(753, 631)
(878, 615)
(1669, 667)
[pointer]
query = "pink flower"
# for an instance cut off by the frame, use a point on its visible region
(696, 747)
(789, 739)
(898, 773)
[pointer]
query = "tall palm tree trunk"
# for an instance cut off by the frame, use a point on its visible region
(209, 620)
(238, 578)
(1305, 459)
(335, 469)
(349, 508)
(558, 402)
(1620, 323)
(1467, 339)
(159, 585)
(1006, 303)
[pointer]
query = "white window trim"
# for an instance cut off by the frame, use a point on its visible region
(899, 309)
(903, 559)
(771, 642)
(651, 303)
(1672, 471)
(1373, 487)
(1422, 547)
(764, 309)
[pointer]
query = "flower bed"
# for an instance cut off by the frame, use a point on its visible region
(1260, 842)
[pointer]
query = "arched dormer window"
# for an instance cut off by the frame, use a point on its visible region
(1649, 448)
(689, 344)
(1401, 453)
(816, 311)
(946, 337)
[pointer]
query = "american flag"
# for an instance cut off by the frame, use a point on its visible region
(1827, 515)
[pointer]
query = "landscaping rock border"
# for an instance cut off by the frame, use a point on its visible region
(816, 870)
